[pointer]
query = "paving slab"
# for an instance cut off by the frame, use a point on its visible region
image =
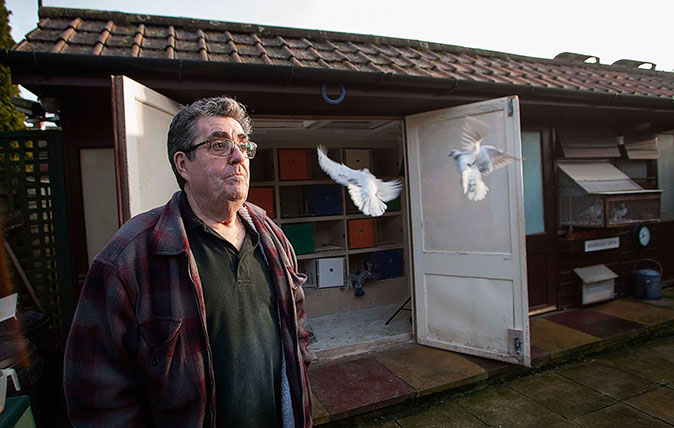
(642, 364)
(560, 394)
(358, 386)
(388, 424)
(445, 415)
(493, 367)
(595, 323)
(635, 311)
(505, 407)
(662, 349)
(606, 379)
(558, 339)
(658, 403)
(666, 303)
(668, 292)
(538, 355)
(429, 370)
(619, 415)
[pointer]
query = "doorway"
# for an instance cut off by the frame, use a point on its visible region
(539, 207)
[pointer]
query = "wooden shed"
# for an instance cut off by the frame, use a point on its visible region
(473, 270)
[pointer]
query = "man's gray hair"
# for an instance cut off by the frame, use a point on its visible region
(183, 129)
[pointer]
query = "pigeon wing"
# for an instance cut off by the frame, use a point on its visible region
(498, 157)
(340, 173)
(388, 190)
(474, 131)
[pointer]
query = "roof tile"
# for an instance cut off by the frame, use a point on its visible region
(84, 38)
(54, 24)
(154, 43)
(116, 51)
(160, 32)
(187, 55)
(187, 45)
(243, 39)
(153, 53)
(76, 49)
(42, 35)
(219, 48)
(221, 57)
(116, 41)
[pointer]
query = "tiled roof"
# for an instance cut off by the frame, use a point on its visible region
(99, 33)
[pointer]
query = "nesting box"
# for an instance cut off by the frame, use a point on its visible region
(358, 158)
(361, 233)
(327, 272)
(294, 164)
(597, 194)
(598, 283)
(263, 197)
(301, 236)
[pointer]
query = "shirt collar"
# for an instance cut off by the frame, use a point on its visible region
(192, 222)
(190, 219)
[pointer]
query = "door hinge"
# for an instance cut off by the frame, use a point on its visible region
(515, 343)
(511, 107)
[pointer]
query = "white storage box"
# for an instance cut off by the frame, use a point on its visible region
(598, 283)
(330, 272)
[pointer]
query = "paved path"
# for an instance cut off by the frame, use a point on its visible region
(629, 388)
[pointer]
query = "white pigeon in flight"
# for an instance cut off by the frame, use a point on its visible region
(477, 159)
(368, 193)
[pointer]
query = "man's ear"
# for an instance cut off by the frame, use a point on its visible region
(180, 160)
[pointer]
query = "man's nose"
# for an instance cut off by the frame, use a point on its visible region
(237, 155)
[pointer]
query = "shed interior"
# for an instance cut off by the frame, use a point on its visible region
(335, 243)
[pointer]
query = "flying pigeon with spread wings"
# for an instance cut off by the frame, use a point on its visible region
(368, 193)
(477, 160)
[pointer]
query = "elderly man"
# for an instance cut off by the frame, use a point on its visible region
(192, 316)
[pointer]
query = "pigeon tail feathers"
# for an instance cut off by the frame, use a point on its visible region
(473, 186)
(367, 204)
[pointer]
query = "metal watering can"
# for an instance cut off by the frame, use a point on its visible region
(648, 282)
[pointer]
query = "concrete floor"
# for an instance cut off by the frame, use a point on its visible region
(356, 327)
(629, 388)
(611, 361)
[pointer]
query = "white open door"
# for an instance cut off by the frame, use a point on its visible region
(142, 117)
(469, 263)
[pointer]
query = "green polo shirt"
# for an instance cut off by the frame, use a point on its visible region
(242, 323)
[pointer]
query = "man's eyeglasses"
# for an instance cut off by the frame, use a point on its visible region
(224, 147)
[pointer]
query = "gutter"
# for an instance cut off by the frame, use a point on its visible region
(78, 65)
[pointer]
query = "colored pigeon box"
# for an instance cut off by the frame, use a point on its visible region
(358, 158)
(390, 263)
(361, 233)
(393, 205)
(294, 164)
(263, 197)
(301, 236)
(323, 199)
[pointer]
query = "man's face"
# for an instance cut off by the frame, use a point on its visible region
(217, 179)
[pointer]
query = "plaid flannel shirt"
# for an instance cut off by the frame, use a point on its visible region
(138, 354)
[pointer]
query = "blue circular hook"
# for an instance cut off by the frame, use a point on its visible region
(327, 99)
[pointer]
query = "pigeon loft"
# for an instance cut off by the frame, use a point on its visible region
(597, 194)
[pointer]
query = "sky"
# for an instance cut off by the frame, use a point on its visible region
(611, 30)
